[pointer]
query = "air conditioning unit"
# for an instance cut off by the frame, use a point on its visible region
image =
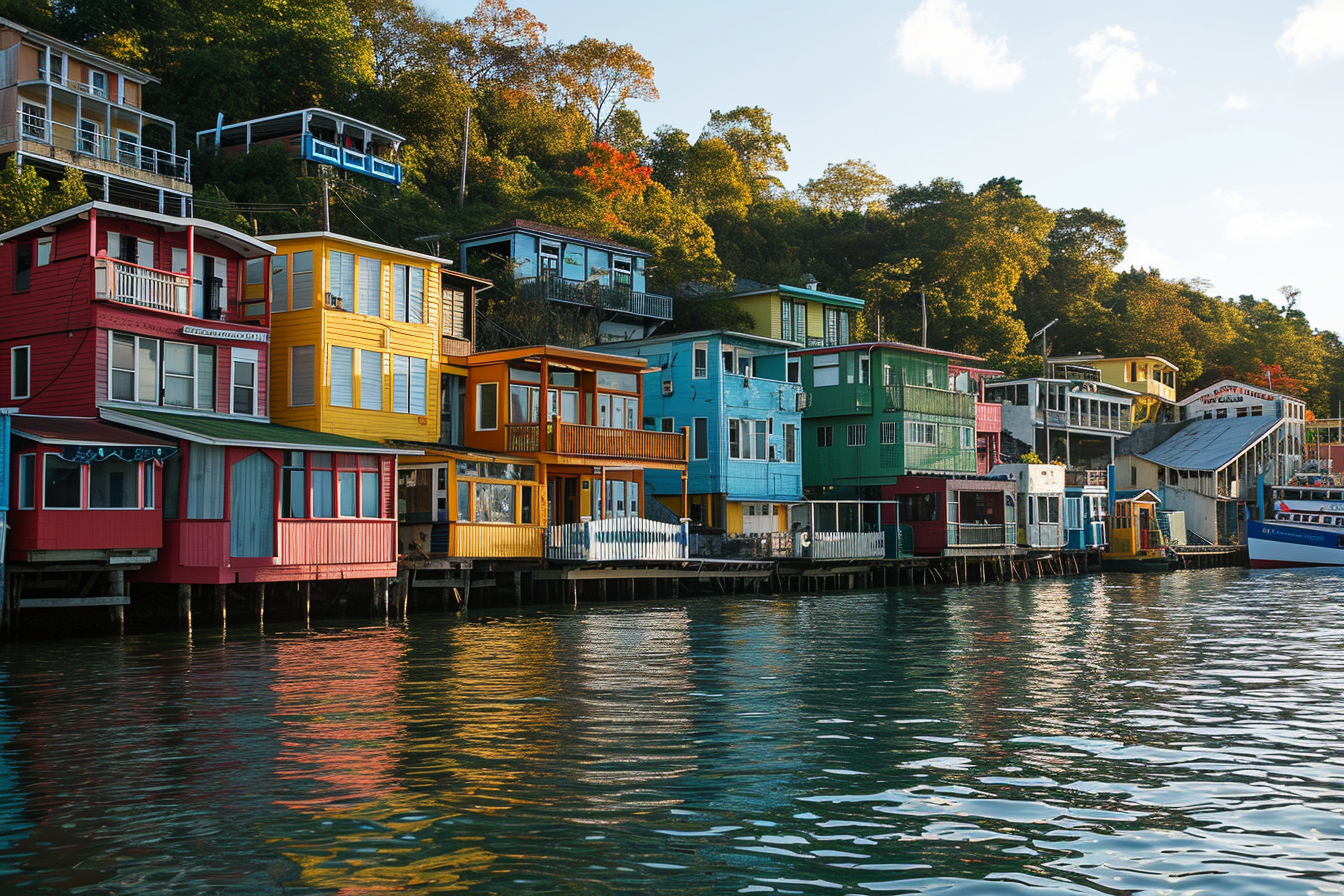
(333, 301)
(804, 400)
(667, 387)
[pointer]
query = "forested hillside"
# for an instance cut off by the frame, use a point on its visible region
(552, 138)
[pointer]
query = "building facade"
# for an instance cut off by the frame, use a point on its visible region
(1075, 421)
(803, 316)
(313, 136)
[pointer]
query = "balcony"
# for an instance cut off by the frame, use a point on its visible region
(618, 538)
(40, 136)
(325, 153)
(931, 400)
(1085, 478)
(988, 417)
(980, 535)
(595, 295)
(574, 439)
(131, 284)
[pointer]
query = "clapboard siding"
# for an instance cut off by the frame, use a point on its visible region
(336, 541)
(84, 530)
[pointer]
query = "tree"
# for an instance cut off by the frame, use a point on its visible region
(1085, 246)
(25, 195)
(750, 132)
(714, 182)
(612, 173)
(600, 76)
(498, 45)
(847, 187)
(890, 301)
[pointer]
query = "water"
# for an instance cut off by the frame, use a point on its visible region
(1159, 735)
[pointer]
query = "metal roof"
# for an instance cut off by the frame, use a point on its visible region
(898, 346)
(518, 225)
(78, 431)
(240, 242)
(222, 430)
(796, 292)
(1211, 444)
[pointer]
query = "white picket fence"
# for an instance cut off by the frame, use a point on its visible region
(619, 538)
(848, 546)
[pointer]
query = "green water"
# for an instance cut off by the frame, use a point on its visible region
(1163, 734)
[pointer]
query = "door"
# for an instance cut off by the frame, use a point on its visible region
(252, 517)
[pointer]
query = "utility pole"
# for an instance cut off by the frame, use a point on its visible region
(466, 141)
(326, 202)
(1045, 384)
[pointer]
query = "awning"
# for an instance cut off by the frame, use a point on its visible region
(223, 430)
(85, 440)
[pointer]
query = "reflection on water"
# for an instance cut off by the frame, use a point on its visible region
(1127, 734)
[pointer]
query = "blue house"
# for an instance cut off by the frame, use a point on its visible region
(317, 136)
(738, 395)
(573, 268)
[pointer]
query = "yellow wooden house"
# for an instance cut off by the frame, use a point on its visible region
(1153, 378)
(355, 337)
(805, 316)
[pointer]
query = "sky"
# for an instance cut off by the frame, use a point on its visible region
(1215, 130)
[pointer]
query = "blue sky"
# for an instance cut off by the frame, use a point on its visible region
(1215, 130)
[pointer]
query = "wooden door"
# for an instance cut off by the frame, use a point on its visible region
(252, 518)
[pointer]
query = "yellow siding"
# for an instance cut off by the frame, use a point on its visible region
(734, 521)
(760, 308)
(816, 320)
(324, 328)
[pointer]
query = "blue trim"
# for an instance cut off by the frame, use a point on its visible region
(324, 153)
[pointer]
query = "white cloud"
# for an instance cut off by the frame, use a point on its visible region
(1115, 70)
(1228, 199)
(1316, 34)
(939, 37)
(1254, 225)
(1237, 101)
(1142, 254)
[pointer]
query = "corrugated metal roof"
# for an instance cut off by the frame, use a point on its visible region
(1211, 444)
(78, 431)
(221, 430)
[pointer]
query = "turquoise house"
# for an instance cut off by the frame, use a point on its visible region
(738, 396)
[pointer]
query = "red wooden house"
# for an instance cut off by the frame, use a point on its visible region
(156, 324)
(956, 514)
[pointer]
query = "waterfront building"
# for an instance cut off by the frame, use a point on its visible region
(1151, 378)
(1233, 440)
(732, 392)
(577, 415)
(63, 107)
(802, 315)
(878, 410)
(356, 336)
(157, 324)
(575, 269)
(314, 137)
(956, 515)
(1085, 509)
(1040, 500)
(1075, 412)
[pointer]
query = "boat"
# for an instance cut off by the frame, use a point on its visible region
(1305, 526)
(1136, 542)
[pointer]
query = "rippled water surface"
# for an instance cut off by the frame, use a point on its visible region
(1170, 734)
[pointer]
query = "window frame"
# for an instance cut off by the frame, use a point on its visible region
(27, 352)
(856, 435)
(699, 366)
(481, 388)
(244, 356)
(915, 430)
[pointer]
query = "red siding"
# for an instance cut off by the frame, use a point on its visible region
(312, 542)
(196, 552)
(85, 530)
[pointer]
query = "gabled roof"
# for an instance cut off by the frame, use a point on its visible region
(223, 430)
(898, 346)
(78, 431)
(799, 292)
(1257, 391)
(74, 49)
(240, 242)
(1210, 444)
(1065, 359)
(518, 225)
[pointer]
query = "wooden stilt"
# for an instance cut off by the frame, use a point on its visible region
(184, 604)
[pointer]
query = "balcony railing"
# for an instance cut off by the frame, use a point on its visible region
(595, 295)
(930, 400)
(977, 535)
(988, 417)
(1085, 478)
(618, 538)
(128, 155)
(350, 160)
(597, 442)
(847, 546)
(131, 284)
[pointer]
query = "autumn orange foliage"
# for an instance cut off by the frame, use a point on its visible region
(612, 173)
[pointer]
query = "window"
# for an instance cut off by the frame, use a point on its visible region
(23, 264)
(293, 495)
(135, 369)
(837, 326)
(244, 381)
(98, 84)
(888, 433)
(799, 322)
(865, 368)
(188, 375)
(369, 495)
(301, 391)
(322, 486)
(60, 483)
(408, 293)
(785, 319)
(89, 133)
(280, 283)
(886, 374)
(825, 370)
(729, 359)
(487, 406)
(700, 438)
(967, 438)
(347, 485)
(856, 435)
(794, 369)
(303, 280)
(342, 377)
(44, 245)
(370, 286)
(825, 436)
(114, 484)
(700, 360)
(20, 371)
(408, 386)
(620, 273)
(550, 259)
(667, 424)
(370, 380)
(34, 120)
(494, 502)
(27, 480)
(524, 403)
(917, 433)
(790, 443)
(341, 280)
(1256, 411)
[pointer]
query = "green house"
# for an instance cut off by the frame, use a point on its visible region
(875, 411)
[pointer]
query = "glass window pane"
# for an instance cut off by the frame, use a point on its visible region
(60, 483)
(368, 490)
(322, 493)
(205, 377)
(347, 490)
(147, 355)
(113, 483)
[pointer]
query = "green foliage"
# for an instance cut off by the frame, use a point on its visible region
(26, 196)
(750, 132)
(847, 187)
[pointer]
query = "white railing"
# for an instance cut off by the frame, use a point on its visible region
(79, 142)
(848, 546)
(120, 281)
(976, 534)
(619, 538)
(1045, 535)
